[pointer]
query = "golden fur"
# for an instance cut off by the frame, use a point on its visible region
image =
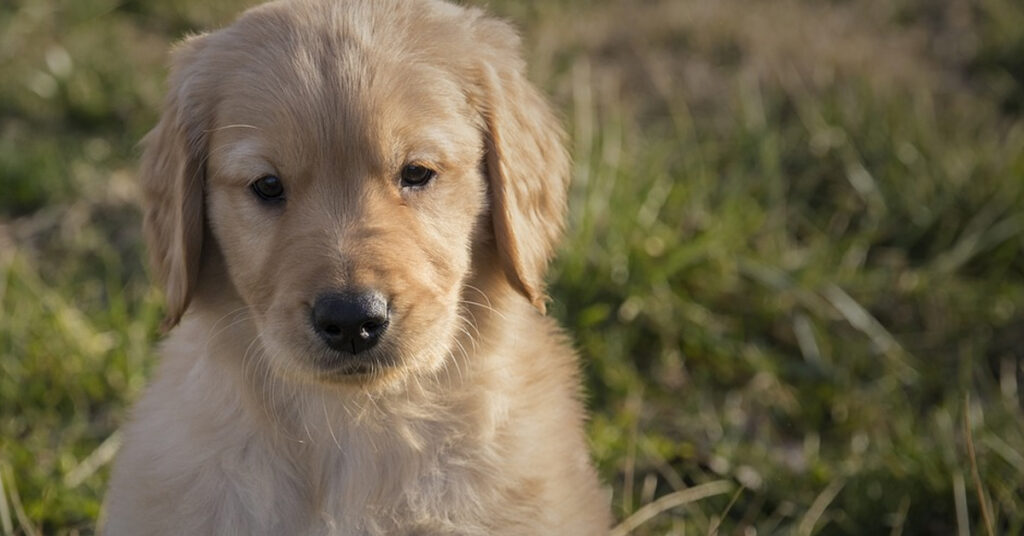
(469, 421)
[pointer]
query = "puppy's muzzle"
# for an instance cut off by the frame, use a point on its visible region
(350, 322)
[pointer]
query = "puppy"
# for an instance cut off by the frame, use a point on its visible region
(351, 205)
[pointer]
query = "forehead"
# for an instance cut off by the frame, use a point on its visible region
(333, 90)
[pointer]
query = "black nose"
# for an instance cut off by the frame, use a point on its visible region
(350, 321)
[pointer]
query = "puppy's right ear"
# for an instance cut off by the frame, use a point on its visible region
(172, 175)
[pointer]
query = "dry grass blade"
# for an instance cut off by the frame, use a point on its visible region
(963, 527)
(96, 459)
(668, 502)
(634, 405)
(818, 507)
(718, 522)
(985, 516)
(19, 511)
(1005, 451)
(5, 511)
(863, 321)
(901, 516)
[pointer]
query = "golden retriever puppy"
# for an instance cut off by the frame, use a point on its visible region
(352, 204)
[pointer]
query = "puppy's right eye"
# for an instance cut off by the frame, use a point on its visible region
(269, 188)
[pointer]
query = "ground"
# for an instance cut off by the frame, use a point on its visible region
(794, 266)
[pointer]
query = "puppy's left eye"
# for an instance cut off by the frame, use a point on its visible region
(415, 175)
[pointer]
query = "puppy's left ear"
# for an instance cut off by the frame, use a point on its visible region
(526, 162)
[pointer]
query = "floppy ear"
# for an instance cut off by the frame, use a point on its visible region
(526, 163)
(172, 177)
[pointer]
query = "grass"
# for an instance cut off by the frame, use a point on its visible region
(794, 266)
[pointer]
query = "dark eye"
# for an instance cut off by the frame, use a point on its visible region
(413, 175)
(269, 188)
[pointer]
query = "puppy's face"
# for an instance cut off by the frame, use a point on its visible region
(350, 160)
(345, 213)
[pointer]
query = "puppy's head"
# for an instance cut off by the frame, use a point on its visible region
(349, 161)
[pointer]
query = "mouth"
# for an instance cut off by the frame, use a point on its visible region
(341, 366)
(351, 369)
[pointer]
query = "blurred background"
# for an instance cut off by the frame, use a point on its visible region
(793, 269)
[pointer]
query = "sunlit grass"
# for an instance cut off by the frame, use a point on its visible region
(793, 268)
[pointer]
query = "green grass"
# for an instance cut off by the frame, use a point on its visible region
(795, 260)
